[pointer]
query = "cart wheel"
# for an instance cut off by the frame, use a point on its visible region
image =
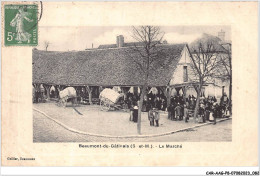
(58, 103)
(63, 103)
(104, 106)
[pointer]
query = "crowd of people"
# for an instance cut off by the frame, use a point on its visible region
(209, 109)
(151, 104)
(180, 109)
(151, 101)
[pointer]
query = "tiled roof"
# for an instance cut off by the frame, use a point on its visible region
(101, 67)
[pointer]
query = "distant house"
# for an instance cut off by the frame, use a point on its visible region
(219, 83)
(109, 66)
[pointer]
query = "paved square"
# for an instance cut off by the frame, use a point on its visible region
(115, 123)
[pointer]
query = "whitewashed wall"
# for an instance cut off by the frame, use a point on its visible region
(177, 77)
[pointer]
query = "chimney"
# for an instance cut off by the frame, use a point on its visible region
(221, 35)
(120, 41)
(165, 42)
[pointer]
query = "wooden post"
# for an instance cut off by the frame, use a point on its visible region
(178, 90)
(47, 88)
(37, 92)
(62, 87)
(37, 87)
(169, 91)
(89, 90)
(184, 90)
(136, 91)
(100, 89)
(148, 89)
(124, 91)
(78, 90)
(56, 91)
(163, 89)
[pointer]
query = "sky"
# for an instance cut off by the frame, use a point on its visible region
(79, 38)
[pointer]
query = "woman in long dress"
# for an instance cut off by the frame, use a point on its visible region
(135, 114)
(18, 22)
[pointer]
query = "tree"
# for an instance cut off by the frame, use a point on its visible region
(206, 61)
(225, 70)
(46, 45)
(148, 57)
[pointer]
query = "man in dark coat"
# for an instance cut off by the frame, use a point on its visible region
(157, 103)
(173, 111)
(164, 104)
(207, 112)
(178, 111)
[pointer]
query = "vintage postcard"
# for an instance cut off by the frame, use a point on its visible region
(129, 84)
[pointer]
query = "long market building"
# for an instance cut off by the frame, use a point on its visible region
(110, 66)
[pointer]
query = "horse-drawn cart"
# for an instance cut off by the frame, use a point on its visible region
(109, 100)
(68, 94)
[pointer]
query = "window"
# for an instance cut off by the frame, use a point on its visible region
(185, 74)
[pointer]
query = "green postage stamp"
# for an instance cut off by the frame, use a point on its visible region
(21, 25)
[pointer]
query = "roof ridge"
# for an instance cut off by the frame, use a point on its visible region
(100, 49)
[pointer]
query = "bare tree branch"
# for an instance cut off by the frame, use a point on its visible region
(46, 45)
(146, 56)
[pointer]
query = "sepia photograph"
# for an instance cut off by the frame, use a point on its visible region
(133, 83)
(130, 84)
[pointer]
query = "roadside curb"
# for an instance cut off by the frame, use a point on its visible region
(129, 136)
